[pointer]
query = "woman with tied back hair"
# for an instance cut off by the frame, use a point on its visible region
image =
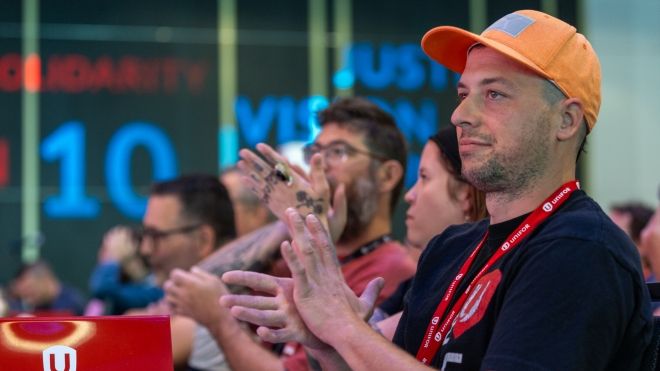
(441, 197)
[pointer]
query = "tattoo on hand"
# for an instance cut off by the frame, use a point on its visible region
(270, 179)
(306, 201)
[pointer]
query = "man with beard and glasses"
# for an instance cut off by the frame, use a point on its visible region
(362, 154)
(548, 282)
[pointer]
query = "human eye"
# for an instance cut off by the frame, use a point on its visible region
(309, 151)
(154, 233)
(337, 150)
(494, 94)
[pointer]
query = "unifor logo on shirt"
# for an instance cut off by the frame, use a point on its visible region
(475, 306)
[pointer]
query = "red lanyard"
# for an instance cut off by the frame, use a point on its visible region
(435, 335)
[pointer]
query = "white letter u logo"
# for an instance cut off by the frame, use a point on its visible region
(59, 358)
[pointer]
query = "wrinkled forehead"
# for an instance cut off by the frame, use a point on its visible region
(482, 56)
(163, 210)
(487, 60)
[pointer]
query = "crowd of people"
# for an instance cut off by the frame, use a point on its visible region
(506, 264)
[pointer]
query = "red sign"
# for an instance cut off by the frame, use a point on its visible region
(86, 343)
(78, 73)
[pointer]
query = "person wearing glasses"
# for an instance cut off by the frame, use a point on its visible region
(362, 154)
(547, 282)
(187, 219)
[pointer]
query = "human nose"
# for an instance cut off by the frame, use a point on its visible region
(146, 246)
(331, 159)
(411, 195)
(324, 162)
(325, 154)
(333, 156)
(466, 113)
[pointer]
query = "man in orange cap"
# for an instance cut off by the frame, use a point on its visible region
(548, 282)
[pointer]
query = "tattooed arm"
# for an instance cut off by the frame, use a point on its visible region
(254, 251)
(279, 186)
(195, 295)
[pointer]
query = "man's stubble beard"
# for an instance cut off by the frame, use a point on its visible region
(514, 171)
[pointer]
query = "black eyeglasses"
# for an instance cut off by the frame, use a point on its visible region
(156, 235)
(336, 152)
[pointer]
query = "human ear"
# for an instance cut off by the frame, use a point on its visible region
(463, 198)
(206, 240)
(572, 117)
(390, 173)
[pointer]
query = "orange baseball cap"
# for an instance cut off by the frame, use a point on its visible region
(550, 47)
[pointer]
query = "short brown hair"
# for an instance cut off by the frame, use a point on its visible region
(381, 134)
(204, 200)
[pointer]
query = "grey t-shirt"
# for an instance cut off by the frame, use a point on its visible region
(205, 354)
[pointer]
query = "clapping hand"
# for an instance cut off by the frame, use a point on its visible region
(280, 185)
(312, 304)
(276, 315)
(195, 294)
(321, 295)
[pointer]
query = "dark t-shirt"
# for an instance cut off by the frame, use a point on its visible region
(68, 302)
(569, 297)
(496, 236)
(394, 303)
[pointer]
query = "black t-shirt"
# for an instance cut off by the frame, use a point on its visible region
(569, 297)
(496, 236)
(394, 303)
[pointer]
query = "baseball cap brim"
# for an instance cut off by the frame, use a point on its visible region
(450, 45)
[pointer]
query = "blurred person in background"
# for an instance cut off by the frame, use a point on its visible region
(650, 242)
(121, 279)
(4, 305)
(255, 250)
(187, 219)
(439, 198)
(360, 149)
(632, 217)
(249, 213)
(37, 290)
